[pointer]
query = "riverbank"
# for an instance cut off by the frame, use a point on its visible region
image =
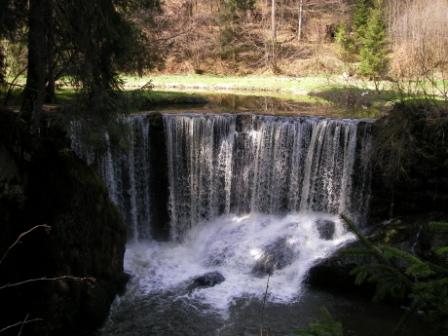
(294, 93)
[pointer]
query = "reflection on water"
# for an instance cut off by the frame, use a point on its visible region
(277, 104)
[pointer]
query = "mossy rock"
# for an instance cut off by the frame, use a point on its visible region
(87, 237)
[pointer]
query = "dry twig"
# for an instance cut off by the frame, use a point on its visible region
(20, 324)
(21, 236)
(44, 279)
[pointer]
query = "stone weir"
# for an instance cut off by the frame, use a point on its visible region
(181, 169)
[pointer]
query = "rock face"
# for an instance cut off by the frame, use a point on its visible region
(334, 273)
(275, 256)
(206, 280)
(326, 228)
(43, 182)
(411, 234)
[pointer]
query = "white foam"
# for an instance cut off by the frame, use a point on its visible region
(231, 245)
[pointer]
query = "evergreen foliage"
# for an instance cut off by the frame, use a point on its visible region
(404, 276)
(230, 31)
(373, 53)
(361, 17)
(345, 40)
(13, 15)
(328, 326)
(89, 41)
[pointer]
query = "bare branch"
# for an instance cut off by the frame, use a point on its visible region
(174, 36)
(21, 236)
(23, 324)
(20, 324)
(45, 279)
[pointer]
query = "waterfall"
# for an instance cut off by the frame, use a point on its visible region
(241, 196)
(221, 164)
(125, 171)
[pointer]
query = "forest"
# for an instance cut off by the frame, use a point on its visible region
(224, 167)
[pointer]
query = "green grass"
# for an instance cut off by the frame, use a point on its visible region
(285, 96)
(298, 86)
(355, 96)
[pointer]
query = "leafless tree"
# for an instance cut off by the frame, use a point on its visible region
(419, 39)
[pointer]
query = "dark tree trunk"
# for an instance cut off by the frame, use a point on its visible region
(2, 64)
(34, 93)
(50, 90)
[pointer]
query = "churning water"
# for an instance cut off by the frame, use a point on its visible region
(244, 249)
(251, 199)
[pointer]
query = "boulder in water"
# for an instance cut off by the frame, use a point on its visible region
(276, 256)
(326, 228)
(206, 280)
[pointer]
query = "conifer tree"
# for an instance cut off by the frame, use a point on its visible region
(373, 53)
(346, 41)
(361, 16)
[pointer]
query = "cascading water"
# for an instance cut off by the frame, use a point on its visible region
(248, 196)
(222, 164)
(125, 172)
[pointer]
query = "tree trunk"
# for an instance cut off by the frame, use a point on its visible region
(34, 93)
(50, 90)
(274, 33)
(2, 63)
(300, 23)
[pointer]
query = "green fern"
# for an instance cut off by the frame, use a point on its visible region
(441, 251)
(328, 326)
(439, 226)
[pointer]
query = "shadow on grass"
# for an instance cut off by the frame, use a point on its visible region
(136, 100)
(139, 100)
(366, 103)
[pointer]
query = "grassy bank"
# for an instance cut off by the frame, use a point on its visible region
(352, 95)
(257, 93)
(265, 83)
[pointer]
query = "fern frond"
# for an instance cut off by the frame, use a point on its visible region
(441, 251)
(439, 226)
(357, 251)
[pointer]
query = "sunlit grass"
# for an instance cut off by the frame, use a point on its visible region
(300, 86)
(353, 95)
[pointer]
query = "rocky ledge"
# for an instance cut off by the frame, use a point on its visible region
(82, 244)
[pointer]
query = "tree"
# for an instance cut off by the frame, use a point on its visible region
(89, 41)
(12, 18)
(230, 32)
(373, 54)
(2, 64)
(361, 16)
(300, 21)
(34, 93)
(345, 41)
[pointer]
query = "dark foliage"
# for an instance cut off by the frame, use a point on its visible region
(411, 156)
